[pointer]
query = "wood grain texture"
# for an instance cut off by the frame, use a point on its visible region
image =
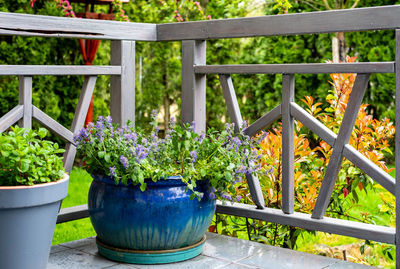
(329, 225)
(231, 101)
(122, 99)
(11, 117)
(287, 145)
(50, 26)
(52, 125)
(25, 99)
(305, 68)
(359, 19)
(73, 213)
(335, 161)
(58, 70)
(264, 121)
(193, 85)
(79, 119)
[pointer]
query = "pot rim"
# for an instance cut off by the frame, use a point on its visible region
(169, 181)
(40, 185)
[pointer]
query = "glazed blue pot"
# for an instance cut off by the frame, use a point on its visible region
(162, 217)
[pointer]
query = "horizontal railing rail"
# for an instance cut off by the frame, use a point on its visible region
(58, 70)
(50, 26)
(360, 19)
(194, 70)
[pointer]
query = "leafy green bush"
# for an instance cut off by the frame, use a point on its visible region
(27, 159)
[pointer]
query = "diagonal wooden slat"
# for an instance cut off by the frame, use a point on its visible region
(52, 125)
(25, 99)
(79, 119)
(236, 118)
(264, 121)
(287, 145)
(231, 101)
(313, 124)
(343, 137)
(368, 167)
(362, 162)
(11, 117)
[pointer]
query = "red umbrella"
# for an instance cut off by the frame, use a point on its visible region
(89, 49)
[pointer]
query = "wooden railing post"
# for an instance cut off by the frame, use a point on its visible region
(193, 85)
(287, 145)
(397, 148)
(122, 104)
(25, 99)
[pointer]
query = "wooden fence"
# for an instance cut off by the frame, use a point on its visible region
(194, 70)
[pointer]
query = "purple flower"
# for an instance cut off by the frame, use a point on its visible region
(172, 122)
(226, 196)
(271, 170)
(112, 171)
(193, 126)
(193, 154)
(238, 198)
(140, 153)
(154, 113)
(124, 161)
(211, 195)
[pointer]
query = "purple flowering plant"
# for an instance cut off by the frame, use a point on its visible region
(130, 154)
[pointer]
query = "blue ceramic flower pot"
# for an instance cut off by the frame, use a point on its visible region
(162, 217)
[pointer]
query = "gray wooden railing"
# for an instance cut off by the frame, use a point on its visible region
(194, 70)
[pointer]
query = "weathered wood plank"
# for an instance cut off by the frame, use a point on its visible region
(52, 125)
(50, 26)
(193, 85)
(359, 19)
(11, 117)
(122, 103)
(231, 101)
(58, 70)
(335, 162)
(329, 225)
(25, 99)
(79, 119)
(287, 145)
(313, 124)
(73, 213)
(397, 148)
(306, 68)
(264, 121)
(371, 169)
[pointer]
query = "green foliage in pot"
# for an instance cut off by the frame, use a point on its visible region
(27, 159)
(130, 154)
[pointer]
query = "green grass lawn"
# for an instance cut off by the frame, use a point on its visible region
(78, 189)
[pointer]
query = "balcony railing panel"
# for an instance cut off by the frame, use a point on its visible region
(194, 70)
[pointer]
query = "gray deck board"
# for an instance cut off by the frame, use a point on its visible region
(219, 252)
